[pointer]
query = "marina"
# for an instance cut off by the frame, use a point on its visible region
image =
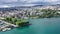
(4, 25)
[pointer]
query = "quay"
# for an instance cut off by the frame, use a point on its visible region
(7, 24)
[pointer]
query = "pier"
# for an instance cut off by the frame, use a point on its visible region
(7, 24)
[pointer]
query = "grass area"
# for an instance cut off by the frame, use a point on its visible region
(15, 21)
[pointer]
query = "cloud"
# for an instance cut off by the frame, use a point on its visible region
(4, 6)
(29, 1)
(8, 1)
(26, 2)
(51, 0)
(32, 1)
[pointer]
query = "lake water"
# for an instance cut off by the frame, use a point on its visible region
(38, 26)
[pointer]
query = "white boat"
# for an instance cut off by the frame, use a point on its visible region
(4, 29)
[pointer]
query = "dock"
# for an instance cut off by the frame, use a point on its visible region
(7, 24)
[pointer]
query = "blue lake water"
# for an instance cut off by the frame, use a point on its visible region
(38, 26)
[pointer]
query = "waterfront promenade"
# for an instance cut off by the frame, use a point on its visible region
(7, 24)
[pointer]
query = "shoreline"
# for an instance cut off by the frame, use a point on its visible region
(10, 26)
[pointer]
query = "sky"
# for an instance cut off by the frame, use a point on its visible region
(7, 3)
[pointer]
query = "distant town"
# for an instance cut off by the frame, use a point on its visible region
(19, 16)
